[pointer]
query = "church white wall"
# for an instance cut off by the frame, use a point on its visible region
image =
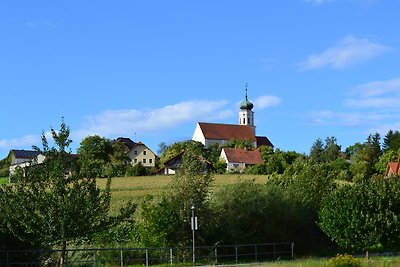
(198, 135)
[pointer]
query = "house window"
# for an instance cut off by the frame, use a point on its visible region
(135, 152)
(150, 161)
(144, 152)
(144, 160)
(135, 160)
(235, 165)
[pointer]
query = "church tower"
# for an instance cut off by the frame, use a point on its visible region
(246, 115)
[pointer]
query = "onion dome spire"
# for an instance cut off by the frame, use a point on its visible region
(246, 104)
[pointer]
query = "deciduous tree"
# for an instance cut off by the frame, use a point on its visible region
(55, 204)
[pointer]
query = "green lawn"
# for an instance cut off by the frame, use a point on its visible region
(3, 180)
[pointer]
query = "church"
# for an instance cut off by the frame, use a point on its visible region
(212, 133)
(218, 133)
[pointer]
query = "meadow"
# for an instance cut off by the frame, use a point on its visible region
(124, 189)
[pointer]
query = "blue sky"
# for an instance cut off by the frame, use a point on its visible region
(150, 70)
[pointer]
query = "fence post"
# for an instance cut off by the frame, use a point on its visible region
(122, 259)
(292, 250)
(255, 252)
(216, 254)
(171, 256)
(236, 254)
(147, 257)
(95, 258)
(274, 251)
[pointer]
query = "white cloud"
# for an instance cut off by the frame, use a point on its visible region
(378, 94)
(346, 52)
(22, 142)
(319, 2)
(328, 117)
(266, 101)
(125, 122)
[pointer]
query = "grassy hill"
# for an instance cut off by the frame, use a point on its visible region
(124, 189)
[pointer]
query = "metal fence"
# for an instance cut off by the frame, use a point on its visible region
(205, 255)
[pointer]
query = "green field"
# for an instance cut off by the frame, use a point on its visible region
(124, 189)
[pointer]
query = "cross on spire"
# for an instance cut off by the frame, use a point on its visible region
(246, 90)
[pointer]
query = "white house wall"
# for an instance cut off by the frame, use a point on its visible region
(198, 135)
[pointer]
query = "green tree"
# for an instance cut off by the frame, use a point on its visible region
(119, 160)
(94, 154)
(167, 223)
(317, 151)
(364, 158)
(189, 145)
(391, 141)
(234, 143)
(363, 216)
(55, 204)
(388, 156)
(331, 149)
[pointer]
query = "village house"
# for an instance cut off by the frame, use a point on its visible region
(139, 152)
(20, 159)
(238, 159)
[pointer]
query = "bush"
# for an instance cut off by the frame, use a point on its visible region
(344, 260)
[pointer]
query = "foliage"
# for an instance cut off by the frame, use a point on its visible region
(189, 145)
(317, 150)
(388, 156)
(363, 215)
(364, 158)
(137, 170)
(166, 223)
(275, 161)
(391, 141)
(55, 204)
(344, 260)
(118, 160)
(94, 154)
(327, 152)
(234, 143)
(4, 167)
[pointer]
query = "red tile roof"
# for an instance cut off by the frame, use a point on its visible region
(392, 168)
(221, 131)
(243, 156)
(263, 141)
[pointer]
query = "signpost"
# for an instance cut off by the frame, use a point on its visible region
(194, 227)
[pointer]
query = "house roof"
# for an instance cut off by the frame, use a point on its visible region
(263, 141)
(243, 156)
(392, 168)
(221, 131)
(128, 142)
(24, 154)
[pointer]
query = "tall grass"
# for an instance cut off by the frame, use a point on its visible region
(124, 189)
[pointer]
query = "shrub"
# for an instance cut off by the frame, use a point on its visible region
(344, 260)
